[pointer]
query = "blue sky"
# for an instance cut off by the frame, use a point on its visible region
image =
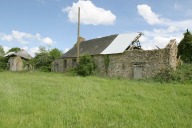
(29, 24)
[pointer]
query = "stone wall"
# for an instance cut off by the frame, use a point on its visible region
(149, 61)
(15, 63)
(62, 65)
(130, 64)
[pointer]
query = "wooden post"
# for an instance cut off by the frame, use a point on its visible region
(78, 35)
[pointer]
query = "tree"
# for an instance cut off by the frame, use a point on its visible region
(44, 58)
(55, 53)
(2, 52)
(3, 60)
(43, 62)
(42, 49)
(185, 48)
(15, 49)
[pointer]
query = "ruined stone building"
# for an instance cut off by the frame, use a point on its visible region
(121, 56)
(18, 61)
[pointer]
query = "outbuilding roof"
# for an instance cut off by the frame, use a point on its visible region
(23, 54)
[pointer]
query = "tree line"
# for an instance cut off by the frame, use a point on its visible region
(42, 60)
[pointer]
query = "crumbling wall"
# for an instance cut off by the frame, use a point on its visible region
(62, 65)
(15, 63)
(149, 61)
(130, 64)
(172, 46)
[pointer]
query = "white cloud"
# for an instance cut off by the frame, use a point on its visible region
(146, 12)
(66, 50)
(33, 50)
(6, 49)
(90, 14)
(154, 38)
(169, 29)
(152, 18)
(25, 38)
(25, 48)
(47, 40)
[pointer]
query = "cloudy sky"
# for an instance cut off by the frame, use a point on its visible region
(29, 24)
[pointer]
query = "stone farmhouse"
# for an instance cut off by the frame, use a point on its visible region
(121, 56)
(18, 61)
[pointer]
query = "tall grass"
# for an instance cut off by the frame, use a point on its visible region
(52, 100)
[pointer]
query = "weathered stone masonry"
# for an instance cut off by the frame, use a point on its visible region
(150, 62)
(130, 64)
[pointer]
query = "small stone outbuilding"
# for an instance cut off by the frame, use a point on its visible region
(18, 61)
(121, 56)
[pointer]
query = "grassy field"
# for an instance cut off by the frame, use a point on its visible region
(49, 100)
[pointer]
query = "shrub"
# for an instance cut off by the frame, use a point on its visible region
(183, 74)
(3, 63)
(164, 75)
(86, 66)
(45, 69)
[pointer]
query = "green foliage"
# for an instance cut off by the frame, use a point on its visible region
(15, 49)
(42, 60)
(42, 49)
(185, 48)
(51, 100)
(2, 52)
(86, 66)
(55, 53)
(3, 63)
(164, 75)
(183, 74)
(106, 61)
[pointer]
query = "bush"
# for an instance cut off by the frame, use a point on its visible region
(86, 66)
(3, 63)
(183, 74)
(45, 69)
(164, 75)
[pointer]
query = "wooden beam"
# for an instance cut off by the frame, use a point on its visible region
(78, 35)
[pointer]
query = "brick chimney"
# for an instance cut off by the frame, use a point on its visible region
(81, 39)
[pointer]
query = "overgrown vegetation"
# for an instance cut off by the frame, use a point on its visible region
(50, 100)
(86, 66)
(42, 60)
(15, 49)
(185, 48)
(183, 74)
(3, 61)
(164, 75)
(106, 61)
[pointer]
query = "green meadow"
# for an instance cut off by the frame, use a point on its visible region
(50, 100)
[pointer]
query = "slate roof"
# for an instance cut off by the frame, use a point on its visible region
(91, 47)
(113, 44)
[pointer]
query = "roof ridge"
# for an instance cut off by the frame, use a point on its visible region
(100, 37)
